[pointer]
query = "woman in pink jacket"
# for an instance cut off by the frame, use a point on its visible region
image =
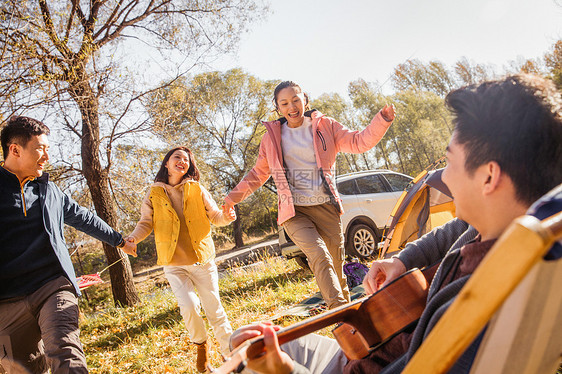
(299, 150)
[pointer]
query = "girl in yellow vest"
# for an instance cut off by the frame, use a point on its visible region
(180, 211)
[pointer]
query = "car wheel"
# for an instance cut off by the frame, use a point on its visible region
(362, 241)
(303, 262)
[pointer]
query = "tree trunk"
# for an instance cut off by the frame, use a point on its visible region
(399, 154)
(121, 274)
(272, 223)
(366, 160)
(415, 146)
(237, 228)
(384, 156)
(350, 164)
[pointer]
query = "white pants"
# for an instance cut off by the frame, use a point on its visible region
(184, 280)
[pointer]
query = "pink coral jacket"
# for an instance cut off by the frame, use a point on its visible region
(330, 137)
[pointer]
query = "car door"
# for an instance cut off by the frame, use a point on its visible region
(375, 198)
(348, 193)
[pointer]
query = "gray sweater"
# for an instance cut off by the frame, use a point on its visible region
(432, 247)
(438, 300)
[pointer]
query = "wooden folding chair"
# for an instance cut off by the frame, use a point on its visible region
(525, 335)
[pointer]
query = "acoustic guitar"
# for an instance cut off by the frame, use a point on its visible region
(367, 322)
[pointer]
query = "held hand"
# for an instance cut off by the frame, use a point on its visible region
(226, 208)
(381, 273)
(388, 112)
(273, 360)
(130, 247)
(231, 214)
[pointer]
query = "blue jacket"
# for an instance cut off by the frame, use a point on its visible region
(57, 209)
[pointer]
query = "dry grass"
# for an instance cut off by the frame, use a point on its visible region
(151, 337)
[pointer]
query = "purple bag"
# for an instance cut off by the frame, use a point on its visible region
(355, 272)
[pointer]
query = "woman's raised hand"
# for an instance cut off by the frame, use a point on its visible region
(388, 112)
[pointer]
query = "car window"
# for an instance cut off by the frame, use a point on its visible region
(397, 182)
(370, 184)
(347, 187)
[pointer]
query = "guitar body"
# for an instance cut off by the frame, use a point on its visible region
(351, 342)
(383, 315)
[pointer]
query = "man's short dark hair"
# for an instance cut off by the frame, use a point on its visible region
(516, 122)
(19, 130)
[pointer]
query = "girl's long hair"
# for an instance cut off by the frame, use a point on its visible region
(192, 171)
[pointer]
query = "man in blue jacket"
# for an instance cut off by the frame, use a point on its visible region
(38, 289)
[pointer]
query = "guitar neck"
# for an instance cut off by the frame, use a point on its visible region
(297, 330)
(376, 317)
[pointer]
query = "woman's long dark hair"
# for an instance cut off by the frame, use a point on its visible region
(192, 171)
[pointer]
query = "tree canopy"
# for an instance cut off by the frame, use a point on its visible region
(69, 56)
(114, 76)
(218, 115)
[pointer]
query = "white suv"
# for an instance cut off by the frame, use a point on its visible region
(368, 198)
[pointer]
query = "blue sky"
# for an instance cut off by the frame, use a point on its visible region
(323, 45)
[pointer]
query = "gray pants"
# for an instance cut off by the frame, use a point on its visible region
(318, 354)
(41, 330)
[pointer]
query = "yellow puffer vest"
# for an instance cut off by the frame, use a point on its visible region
(167, 224)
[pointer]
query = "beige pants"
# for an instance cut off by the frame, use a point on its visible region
(317, 231)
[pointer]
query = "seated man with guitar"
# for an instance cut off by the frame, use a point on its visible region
(503, 155)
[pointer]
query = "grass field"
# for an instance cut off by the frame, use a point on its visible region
(151, 337)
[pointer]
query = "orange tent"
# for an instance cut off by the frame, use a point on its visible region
(425, 204)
